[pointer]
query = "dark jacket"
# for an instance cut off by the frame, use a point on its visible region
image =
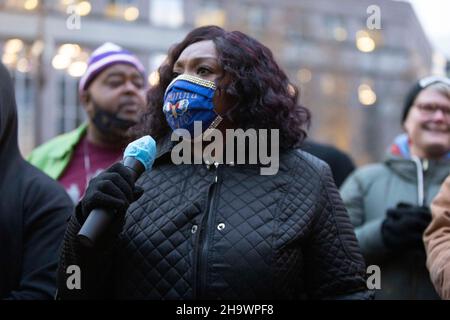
(202, 232)
(33, 214)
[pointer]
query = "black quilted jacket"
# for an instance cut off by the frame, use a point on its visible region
(203, 232)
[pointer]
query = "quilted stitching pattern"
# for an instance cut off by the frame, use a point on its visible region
(286, 236)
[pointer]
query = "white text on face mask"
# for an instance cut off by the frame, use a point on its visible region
(179, 95)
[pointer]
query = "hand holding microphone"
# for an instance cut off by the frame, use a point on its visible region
(109, 195)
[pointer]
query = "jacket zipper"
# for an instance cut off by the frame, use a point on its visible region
(420, 183)
(201, 263)
(421, 168)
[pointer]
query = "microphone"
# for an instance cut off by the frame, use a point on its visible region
(137, 157)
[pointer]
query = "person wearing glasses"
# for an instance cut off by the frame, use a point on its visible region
(388, 202)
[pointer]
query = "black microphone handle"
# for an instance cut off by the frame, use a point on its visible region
(99, 219)
(94, 226)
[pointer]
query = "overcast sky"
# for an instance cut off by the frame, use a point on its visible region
(435, 18)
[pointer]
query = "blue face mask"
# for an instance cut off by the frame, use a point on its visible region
(188, 99)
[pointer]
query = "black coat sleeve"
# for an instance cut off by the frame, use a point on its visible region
(95, 265)
(46, 207)
(335, 265)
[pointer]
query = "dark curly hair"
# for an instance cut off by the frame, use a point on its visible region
(264, 97)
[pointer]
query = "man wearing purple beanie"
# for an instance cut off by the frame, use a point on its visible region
(113, 93)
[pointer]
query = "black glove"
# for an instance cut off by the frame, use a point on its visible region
(113, 190)
(404, 225)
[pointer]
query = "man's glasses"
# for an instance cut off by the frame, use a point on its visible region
(430, 109)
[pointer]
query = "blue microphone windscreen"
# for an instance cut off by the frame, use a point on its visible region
(143, 149)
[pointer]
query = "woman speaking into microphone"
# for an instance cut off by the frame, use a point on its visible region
(208, 221)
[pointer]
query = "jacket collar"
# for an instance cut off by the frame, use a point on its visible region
(400, 148)
(399, 159)
(71, 139)
(164, 146)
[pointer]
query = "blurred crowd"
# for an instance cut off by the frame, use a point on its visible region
(222, 230)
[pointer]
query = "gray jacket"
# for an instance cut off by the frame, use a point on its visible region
(373, 189)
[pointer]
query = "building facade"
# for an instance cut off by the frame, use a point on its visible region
(351, 76)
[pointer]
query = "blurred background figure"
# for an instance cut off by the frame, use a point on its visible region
(112, 92)
(437, 241)
(389, 202)
(33, 214)
(340, 163)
